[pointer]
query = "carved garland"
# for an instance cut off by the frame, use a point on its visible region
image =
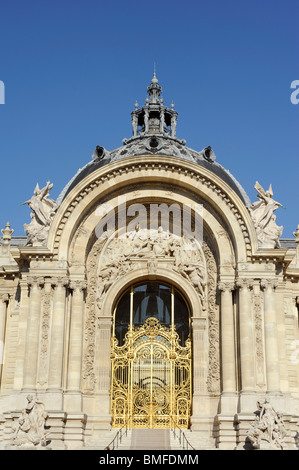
(125, 168)
(213, 379)
(88, 374)
(45, 328)
(257, 302)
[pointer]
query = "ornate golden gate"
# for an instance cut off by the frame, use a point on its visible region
(151, 378)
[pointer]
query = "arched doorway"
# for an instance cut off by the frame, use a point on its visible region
(151, 358)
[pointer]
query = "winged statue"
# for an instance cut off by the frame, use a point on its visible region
(262, 213)
(43, 211)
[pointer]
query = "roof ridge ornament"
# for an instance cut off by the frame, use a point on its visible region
(154, 118)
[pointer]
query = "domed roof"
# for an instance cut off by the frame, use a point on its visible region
(154, 133)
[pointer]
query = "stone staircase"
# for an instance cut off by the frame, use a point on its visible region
(153, 439)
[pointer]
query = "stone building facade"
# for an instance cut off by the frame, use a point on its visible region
(112, 316)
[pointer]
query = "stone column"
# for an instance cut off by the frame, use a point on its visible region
(226, 435)
(33, 330)
(228, 340)
(57, 334)
(3, 311)
(247, 349)
(271, 342)
(75, 347)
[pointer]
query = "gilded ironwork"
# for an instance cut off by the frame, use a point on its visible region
(151, 378)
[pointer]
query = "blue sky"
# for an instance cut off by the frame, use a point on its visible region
(73, 70)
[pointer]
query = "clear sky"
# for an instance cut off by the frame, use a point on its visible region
(73, 70)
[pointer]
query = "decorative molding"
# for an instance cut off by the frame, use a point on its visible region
(213, 379)
(172, 168)
(91, 317)
(257, 302)
(46, 310)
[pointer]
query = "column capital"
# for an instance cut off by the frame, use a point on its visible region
(270, 284)
(60, 281)
(35, 280)
(78, 285)
(4, 298)
(244, 283)
(226, 286)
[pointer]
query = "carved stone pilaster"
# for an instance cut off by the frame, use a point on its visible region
(46, 304)
(258, 303)
(213, 380)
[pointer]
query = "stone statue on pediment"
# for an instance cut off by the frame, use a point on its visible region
(43, 211)
(262, 214)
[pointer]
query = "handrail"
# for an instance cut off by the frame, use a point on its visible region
(184, 443)
(117, 438)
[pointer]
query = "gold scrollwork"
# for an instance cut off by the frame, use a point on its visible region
(151, 378)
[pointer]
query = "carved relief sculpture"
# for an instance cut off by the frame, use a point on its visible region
(151, 246)
(268, 430)
(30, 431)
(111, 259)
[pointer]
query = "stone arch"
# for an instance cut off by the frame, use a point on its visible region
(213, 229)
(174, 172)
(228, 227)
